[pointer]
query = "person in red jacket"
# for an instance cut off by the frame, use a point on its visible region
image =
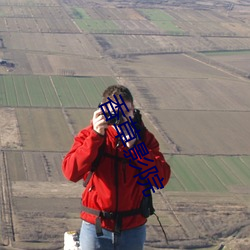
(129, 165)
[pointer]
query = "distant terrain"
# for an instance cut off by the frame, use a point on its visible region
(187, 64)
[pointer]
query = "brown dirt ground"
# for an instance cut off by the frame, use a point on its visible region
(10, 136)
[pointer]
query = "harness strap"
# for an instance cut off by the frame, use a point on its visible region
(116, 157)
(110, 215)
(86, 181)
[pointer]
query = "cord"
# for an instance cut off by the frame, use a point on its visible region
(166, 238)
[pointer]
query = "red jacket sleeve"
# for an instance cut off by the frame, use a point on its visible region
(83, 152)
(158, 164)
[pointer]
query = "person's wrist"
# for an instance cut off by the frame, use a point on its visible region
(99, 132)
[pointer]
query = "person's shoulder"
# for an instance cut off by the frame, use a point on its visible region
(85, 131)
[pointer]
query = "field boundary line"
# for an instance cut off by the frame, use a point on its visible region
(79, 29)
(197, 177)
(25, 168)
(248, 167)
(5, 93)
(216, 67)
(69, 89)
(177, 178)
(232, 171)
(15, 90)
(54, 87)
(80, 85)
(71, 19)
(204, 110)
(168, 203)
(65, 115)
(27, 89)
(42, 88)
(7, 207)
(214, 172)
(153, 120)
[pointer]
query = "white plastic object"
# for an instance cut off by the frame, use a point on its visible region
(71, 240)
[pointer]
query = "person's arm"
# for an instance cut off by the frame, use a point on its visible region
(84, 150)
(158, 159)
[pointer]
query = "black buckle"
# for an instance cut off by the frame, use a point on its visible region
(107, 215)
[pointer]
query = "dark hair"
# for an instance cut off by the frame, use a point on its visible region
(117, 90)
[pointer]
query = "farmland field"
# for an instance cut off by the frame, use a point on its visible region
(96, 25)
(39, 130)
(186, 63)
(23, 166)
(51, 44)
(207, 22)
(224, 43)
(236, 59)
(55, 91)
(216, 132)
(111, 20)
(9, 137)
(197, 86)
(209, 173)
(162, 20)
(57, 54)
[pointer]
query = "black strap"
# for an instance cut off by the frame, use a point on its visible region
(98, 227)
(86, 181)
(109, 215)
(93, 169)
(125, 160)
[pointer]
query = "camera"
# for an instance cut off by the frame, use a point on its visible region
(114, 120)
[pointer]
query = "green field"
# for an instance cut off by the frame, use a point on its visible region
(208, 173)
(156, 15)
(226, 53)
(93, 25)
(161, 19)
(55, 91)
(79, 13)
(87, 23)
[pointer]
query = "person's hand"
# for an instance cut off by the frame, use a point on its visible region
(130, 143)
(99, 122)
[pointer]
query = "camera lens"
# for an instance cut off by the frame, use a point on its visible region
(114, 119)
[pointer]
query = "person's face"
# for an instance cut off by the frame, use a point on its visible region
(128, 113)
(130, 107)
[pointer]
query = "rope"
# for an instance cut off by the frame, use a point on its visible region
(165, 235)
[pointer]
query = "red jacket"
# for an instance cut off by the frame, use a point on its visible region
(100, 192)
